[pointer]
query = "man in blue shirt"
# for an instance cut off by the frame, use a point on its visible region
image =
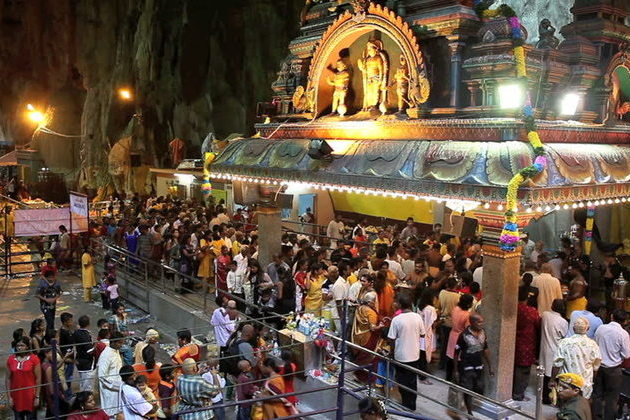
(593, 308)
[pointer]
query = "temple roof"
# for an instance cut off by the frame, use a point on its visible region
(472, 170)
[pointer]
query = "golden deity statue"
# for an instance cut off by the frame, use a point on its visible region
(374, 67)
(340, 81)
(402, 84)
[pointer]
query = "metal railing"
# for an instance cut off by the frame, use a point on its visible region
(388, 382)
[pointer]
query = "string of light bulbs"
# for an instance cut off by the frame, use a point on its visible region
(455, 203)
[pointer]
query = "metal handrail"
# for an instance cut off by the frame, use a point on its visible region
(445, 382)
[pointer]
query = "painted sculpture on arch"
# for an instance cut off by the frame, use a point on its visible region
(341, 81)
(401, 78)
(375, 67)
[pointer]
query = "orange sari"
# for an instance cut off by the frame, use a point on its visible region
(273, 409)
(386, 301)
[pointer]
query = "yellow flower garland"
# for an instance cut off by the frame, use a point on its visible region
(519, 58)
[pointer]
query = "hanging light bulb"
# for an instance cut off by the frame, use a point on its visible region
(500, 207)
(486, 205)
(539, 209)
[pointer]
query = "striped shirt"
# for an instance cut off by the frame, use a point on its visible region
(194, 392)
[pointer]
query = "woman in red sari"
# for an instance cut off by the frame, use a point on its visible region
(24, 376)
(222, 262)
(275, 385)
(366, 332)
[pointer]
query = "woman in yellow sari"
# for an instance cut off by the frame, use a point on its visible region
(365, 333)
(314, 281)
(205, 257)
(274, 385)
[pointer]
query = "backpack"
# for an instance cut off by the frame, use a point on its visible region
(233, 354)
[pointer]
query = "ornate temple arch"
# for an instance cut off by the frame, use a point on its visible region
(347, 28)
(617, 79)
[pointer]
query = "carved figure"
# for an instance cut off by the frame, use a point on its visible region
(374, 67)
(340, 81)
(402, 84)
(419, 91)
(177, 149)
(546, 32)
(304, 101)
(622, 109)
(206, 146)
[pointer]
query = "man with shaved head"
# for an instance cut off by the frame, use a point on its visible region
(578, 354)
(194, 392)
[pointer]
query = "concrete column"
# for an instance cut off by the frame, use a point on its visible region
(456, 69)
(500, 297)
(269, 233)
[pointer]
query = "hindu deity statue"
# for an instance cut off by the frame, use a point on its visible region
(374, 67)
(401, 77)
(340, 81)
(546, 32)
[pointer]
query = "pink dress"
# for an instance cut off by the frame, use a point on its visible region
(460, 319)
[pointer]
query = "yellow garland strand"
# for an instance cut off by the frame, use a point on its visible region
(491, 13)
(519, 58)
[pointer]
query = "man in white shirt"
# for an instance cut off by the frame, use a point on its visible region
(107, 370)
(548, 288)
(335, 231)
(338, 293)
(131, 403)
(394, 265)
(478, 275)
(405, 333)
(219, 413)
(223, 321)
(528, 245)
(614, 346)
(242, 260)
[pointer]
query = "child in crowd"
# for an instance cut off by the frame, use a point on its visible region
(102, 288)
(287, 371)
(112, 292)
(145, 391)
(245, 390)
(213, 364)
(166, 390)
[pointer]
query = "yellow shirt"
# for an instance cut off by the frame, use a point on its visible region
(236, 248)
(88, 277)
(352, 278)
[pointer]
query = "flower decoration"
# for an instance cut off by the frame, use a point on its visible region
(510, 235)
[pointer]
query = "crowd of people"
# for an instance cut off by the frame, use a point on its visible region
(412, 295)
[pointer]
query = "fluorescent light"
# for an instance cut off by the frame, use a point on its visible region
(511, 96)
(569, 104)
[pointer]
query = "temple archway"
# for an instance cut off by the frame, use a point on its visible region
(346, 38)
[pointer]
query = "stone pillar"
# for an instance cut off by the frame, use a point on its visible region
(500, 297)
(473, 89)
(456, 48)
(269, 233)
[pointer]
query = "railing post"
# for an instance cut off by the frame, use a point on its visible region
(342, 367)
(540, 376)
(55, 379)
(387, 369)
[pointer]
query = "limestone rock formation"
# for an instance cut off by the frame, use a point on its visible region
(532, 12)
(194, 66)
